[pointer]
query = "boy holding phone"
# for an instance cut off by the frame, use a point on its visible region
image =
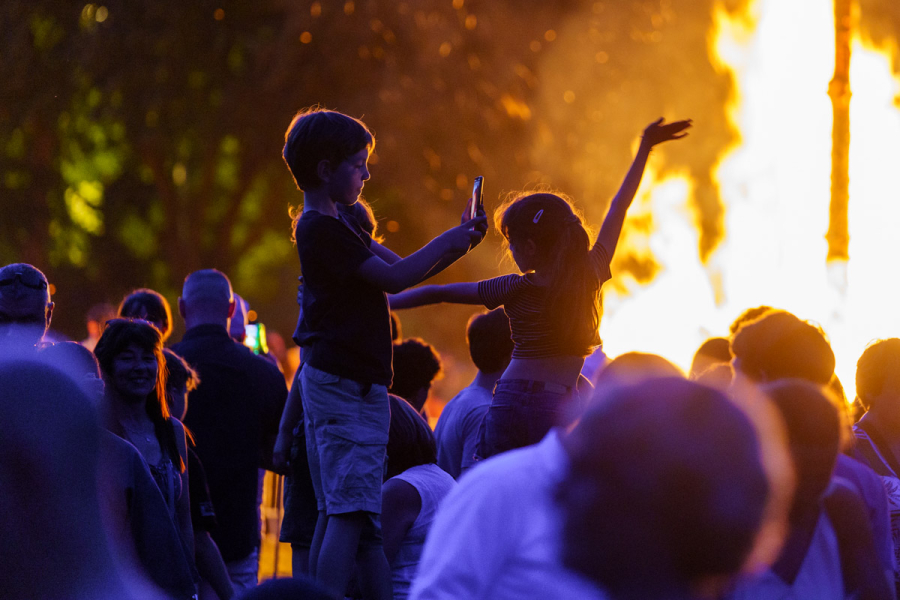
(346, 341)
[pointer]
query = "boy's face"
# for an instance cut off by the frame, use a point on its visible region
(347, 181)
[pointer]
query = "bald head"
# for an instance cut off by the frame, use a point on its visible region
(25, 306)
(206, 299)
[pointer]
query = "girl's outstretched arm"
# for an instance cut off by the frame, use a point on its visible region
(454, 293)
(655, 133)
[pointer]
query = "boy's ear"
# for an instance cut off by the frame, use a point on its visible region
(324, 170)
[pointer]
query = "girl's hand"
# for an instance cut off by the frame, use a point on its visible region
(658, 132)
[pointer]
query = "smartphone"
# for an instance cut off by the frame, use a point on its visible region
(476, 203)
(256, 338)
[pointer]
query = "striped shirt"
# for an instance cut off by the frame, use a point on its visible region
(525, 303)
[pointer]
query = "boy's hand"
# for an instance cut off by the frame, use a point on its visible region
(658, 132)
(463, 238)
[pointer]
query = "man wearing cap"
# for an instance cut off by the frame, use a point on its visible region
(25, 306)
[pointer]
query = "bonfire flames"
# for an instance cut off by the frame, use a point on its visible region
(811, 214)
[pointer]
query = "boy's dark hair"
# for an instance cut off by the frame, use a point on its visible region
(416, 364)
(316, 134)
(814, 431)
(151, 306)
(490, 341)
(779, 345)
(180, 372)
(665, 488)
(410, 439)
(878, 370)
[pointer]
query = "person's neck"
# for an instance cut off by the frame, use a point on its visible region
(319, 201)
(130, 412)
(486, 380)
(195, 321)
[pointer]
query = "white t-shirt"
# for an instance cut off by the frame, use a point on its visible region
(497, 535)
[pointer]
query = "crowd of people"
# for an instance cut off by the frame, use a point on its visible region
(129, 469)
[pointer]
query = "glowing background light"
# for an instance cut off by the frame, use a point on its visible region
(775, 184)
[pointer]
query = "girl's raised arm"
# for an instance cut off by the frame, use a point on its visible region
(454, 293)
(655, 133)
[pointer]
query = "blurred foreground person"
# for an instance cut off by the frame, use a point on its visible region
(54, 545)
(25, 306)
(779, 345)
(829, 552)
(665, 491)
(497, 534)
(878, 431)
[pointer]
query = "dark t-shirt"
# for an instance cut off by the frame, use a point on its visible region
(234, 415)
(203, 514)
(345, 327)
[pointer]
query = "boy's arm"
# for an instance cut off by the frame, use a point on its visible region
(454, 293)
(406, 272)
(293, 412)
(655, 133)
(383, 253)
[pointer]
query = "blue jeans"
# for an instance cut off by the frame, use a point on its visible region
(522, 412)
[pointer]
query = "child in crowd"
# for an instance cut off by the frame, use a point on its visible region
(345, 335)
(552, 308)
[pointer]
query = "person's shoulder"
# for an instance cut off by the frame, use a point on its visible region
(506, 472)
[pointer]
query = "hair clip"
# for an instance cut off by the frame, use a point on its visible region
(537, 216)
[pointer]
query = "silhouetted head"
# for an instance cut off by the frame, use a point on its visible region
(206, 298)
(878, 374)
(490, 341)
(315, 135)
(416, 365)
(665, 489)
(410, 440)
(151, 306)
(813, 426)
(748, 316)
(715, 350)
(80, 364)
(239, 320)
(633, 367)
(25, 306)
(181, 380)
(778, 345)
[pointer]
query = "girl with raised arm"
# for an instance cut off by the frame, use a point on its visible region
(552, 307)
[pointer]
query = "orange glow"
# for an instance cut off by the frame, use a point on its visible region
(775, 183)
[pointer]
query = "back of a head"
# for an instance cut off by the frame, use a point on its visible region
(416, 365)
(878, 372)
(316, 134)
(747, 317)
(77, 362)
(148, 305)
(813, 425)
(490, 341)
(632, 368)
(25, 306)
(665, 488)
(410, 439)
(779, 345)
(562, 242)
(713, 351)
(207, 293)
